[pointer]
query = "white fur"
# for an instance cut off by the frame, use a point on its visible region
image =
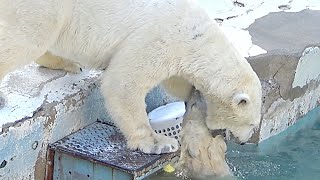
(140, 43)
(203, 156)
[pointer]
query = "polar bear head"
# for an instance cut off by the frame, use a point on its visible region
(239, 112)
(227, 81)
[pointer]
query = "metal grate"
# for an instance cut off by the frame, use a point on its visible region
(104, 144)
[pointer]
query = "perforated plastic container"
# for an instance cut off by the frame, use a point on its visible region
(168, 119)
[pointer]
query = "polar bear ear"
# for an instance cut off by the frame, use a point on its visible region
(241, 99)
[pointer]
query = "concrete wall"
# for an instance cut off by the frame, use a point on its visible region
(290, 88)
(44, 106)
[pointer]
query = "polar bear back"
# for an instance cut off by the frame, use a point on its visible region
(92, 34)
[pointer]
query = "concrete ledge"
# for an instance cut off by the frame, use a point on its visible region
(290, 88)
(32, 89)
(44, 106)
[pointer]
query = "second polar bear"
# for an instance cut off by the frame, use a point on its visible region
(202, 155)
(140, 43)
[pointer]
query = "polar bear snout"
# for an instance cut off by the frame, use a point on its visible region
(230, 129)
(242, 135)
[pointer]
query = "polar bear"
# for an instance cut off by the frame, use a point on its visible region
(202, 155)
(139, 43)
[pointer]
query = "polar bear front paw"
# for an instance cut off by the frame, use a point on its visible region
(164, 144)
(157, 144)
(72, 68)
(51, 61)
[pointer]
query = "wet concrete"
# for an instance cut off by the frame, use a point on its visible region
(286, 32)
(291, 40)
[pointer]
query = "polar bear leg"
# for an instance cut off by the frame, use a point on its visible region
(124, 87)
(125, 102)
(27, 29)
(13, 55)
(51, 61)
(177, 87)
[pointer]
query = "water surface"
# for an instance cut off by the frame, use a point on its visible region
(293, 154)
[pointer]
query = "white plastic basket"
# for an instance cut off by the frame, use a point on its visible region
(168, 119)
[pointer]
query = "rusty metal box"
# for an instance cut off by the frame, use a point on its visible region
(99, 152)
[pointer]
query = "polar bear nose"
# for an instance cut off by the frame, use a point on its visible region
(243, 143)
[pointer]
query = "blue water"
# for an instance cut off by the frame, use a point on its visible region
(291, 155)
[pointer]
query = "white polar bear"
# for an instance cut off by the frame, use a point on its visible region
(202, 155)
(140, 43)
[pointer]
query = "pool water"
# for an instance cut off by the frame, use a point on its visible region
(293, 154)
